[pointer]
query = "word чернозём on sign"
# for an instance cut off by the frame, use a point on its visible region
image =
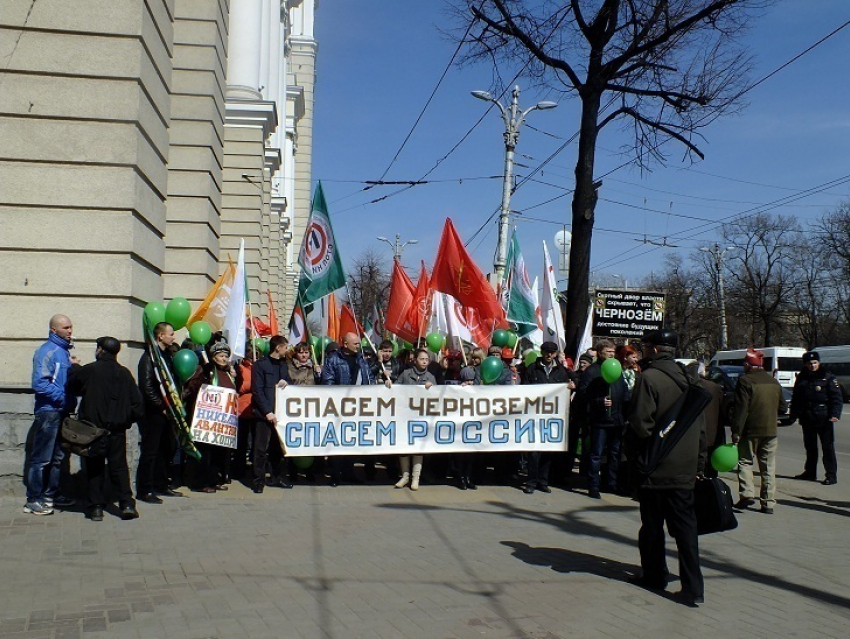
(371, 420)
(215, 420)
(627, 313)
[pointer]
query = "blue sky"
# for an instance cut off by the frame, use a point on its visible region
(378, 63)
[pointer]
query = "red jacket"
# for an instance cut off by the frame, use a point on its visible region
(243, 387)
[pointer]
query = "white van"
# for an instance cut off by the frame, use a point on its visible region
(783, 361)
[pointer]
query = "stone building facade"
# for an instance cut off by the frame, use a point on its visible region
(139, 141)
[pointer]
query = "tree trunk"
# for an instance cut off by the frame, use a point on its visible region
(584, 204)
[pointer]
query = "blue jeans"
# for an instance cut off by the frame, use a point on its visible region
(46, 456)
(600, 439)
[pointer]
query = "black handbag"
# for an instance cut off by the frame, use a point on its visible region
(713, 506)
(83, 438)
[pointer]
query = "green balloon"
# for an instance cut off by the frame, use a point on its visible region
(262, 345)
(500, 337)
(200, 332)
(491, 369)
(395, 348)
(178, 312)
(531, 357)
(407, 345)
(435, 342)
(155, 312)
(185, 363)
(302, 463)
(512, 338)
(364, 343)
(725, 458)
(326, 341)
(611, 370)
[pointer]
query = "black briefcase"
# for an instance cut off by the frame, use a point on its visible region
(713, 506)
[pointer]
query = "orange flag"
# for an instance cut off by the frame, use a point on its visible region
(399, 305)
(273, 327)
(214, 307)
(332, 316)
(457, 275)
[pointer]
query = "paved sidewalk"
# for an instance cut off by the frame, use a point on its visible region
(370, 561)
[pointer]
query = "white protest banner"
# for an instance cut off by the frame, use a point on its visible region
(215, 420)
(403, 420)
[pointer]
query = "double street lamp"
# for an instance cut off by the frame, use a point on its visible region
(513, 119)
(398, 247)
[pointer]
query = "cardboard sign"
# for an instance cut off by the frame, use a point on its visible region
(215, 420)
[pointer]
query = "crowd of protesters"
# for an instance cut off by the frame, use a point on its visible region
(610, 423)
(596, 419)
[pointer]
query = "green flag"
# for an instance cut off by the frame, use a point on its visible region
(319, 258)
(520, 296)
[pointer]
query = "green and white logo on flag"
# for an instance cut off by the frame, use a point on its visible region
(319, 258)
(521, 307)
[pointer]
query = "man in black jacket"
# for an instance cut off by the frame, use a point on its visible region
(817, 401)
(158, 443)
(544, 370)
(667, 494)
(110, 400)
(266, 375)
(605, 404)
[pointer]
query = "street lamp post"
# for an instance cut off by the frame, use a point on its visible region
(717, 253)
(513, 119)
(398, 247)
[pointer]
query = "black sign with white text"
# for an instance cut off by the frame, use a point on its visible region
(621, 313)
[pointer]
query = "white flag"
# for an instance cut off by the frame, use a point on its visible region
(536, 336)
(550, 309)
(457, 321)
(587, 336)
(234, 322)
(437, 322)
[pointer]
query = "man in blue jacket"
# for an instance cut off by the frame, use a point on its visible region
(50, 366)
(345, 367)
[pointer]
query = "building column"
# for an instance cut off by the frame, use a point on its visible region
(244, 51)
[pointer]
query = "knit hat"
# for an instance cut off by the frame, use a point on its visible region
(586, 357)
(219, 347)
(754, 358)
(467, 374)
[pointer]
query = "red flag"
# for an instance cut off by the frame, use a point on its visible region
(420, 310)
(398, 308)
(456, 274)
(273, 327)
(348, 323)
(258, 327)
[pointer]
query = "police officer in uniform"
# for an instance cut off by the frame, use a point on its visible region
(817, 401)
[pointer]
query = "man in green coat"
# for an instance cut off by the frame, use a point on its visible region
(758, 402)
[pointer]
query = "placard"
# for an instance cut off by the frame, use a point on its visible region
(404, 420)
(215, 420)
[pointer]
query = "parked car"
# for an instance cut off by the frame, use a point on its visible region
(727, 377)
